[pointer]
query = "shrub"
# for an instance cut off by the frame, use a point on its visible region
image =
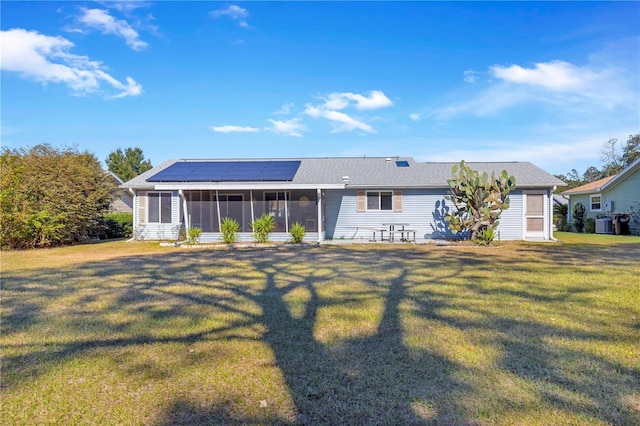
(579, 215)
(590, 225)
(51, 196)
(485, 236)
(297, 232)
(262, 227)
(193, 236)
(230, 228)
(118, 225)
(560, 212)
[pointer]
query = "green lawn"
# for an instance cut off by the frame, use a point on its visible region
(134, 333)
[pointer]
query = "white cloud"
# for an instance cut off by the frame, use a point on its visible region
(234, 129)
(375, 100)
(470, 76)
(586, 91)
(234, 12)
(101, 20)
(551, 156)
(291, 127)
(285, 109)
(47, 59)
(340, 121)
(415, 116)
(555, 75)
(333, 103)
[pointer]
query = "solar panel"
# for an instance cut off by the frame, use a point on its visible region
(402, 163)
(227, 171)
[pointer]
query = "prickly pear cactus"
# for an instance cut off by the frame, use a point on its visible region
(479, 199)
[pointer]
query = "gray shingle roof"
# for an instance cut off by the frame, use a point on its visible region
(381, 172)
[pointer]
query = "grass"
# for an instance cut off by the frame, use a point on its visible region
(134, 333)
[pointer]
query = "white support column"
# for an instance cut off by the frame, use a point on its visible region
(253, 216)
(319, 192)
(187, 218)
(218, 208)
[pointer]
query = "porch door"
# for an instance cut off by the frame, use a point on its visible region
(534, 216)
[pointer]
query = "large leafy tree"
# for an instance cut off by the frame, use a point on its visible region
(51, 196)
(128, 164)
(617, 156)
(478, 198)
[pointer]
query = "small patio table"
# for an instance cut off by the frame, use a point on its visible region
(392, 230)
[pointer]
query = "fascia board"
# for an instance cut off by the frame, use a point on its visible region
(239, 186)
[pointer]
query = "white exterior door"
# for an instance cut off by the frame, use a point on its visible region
(534, 215)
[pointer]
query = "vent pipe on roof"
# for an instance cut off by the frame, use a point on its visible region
(345, 178)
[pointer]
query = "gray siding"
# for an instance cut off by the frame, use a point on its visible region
(423, 209)
(343, 221)
(512, 220)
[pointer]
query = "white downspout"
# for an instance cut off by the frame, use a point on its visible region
(551, 237)
(319, 192)
(253, 216)
(135, 214)
(218, 208)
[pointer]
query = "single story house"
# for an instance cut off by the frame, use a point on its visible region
(334, 198)
(609, 196)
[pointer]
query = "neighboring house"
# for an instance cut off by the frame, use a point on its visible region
(124, 202)
(611, 195)
(334, 198)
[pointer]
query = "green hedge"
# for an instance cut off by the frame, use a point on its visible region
(118, 225)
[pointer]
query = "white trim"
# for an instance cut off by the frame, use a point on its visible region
(379, 192)
(195, 186)
(319, 196)
(545, 214)
(591, 209)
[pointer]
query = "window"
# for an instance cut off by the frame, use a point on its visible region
(596, 203)
(382, 200)
(159, 207)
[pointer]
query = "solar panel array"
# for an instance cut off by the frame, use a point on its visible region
(227, 171)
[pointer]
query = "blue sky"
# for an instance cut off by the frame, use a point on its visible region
(440, 81)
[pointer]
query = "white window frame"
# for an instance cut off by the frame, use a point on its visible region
(591, 203)
(379, 209)
(159, 194)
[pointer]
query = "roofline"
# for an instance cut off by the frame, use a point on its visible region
(240, 186)
(629, 169)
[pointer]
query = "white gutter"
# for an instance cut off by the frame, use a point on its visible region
(242, 186)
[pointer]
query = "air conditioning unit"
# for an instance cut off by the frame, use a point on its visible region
(604, 226)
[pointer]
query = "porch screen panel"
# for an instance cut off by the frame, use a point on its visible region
(207, 216)
(535, 212)
(195, 209)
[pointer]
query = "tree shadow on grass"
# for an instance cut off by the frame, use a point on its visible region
(373, 377)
